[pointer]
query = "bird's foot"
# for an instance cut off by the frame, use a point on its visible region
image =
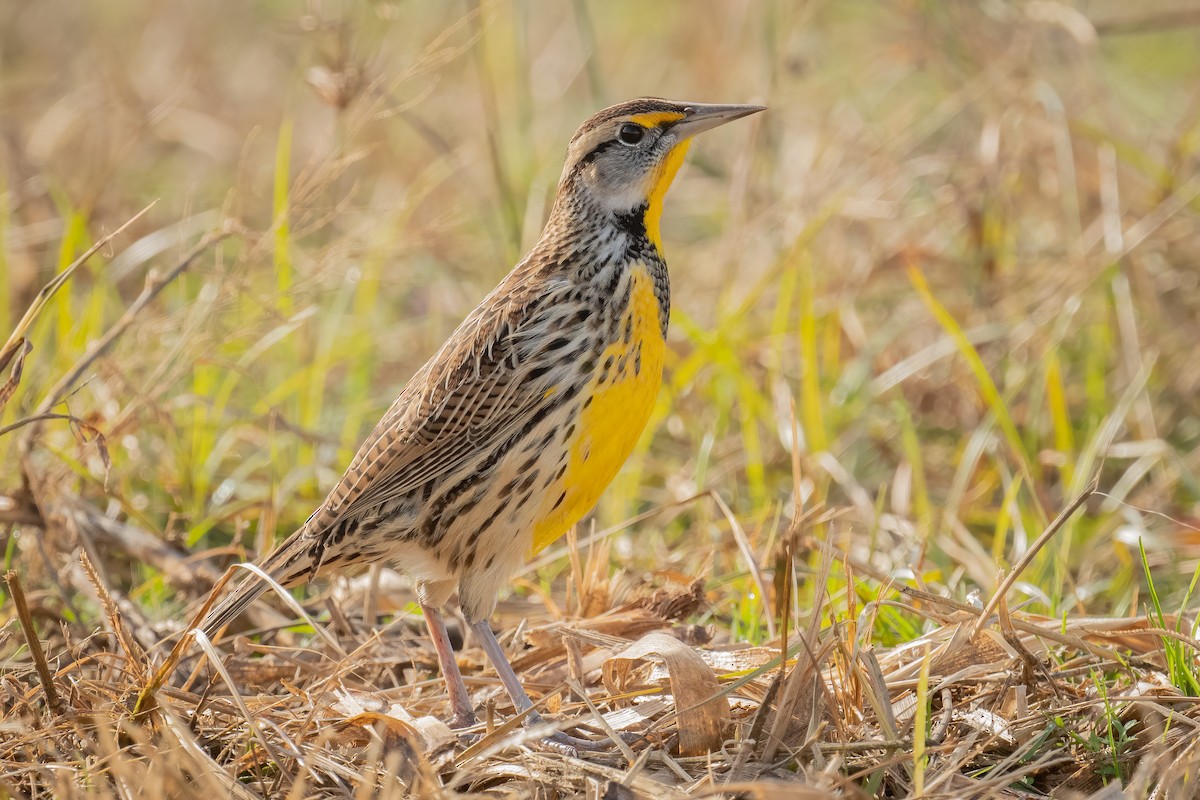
(556, 742)
(568, 745)
(565, 743)
(460, 721)
(459, 725)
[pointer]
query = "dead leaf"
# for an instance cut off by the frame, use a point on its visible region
(703, 711)
(424, 744)
(16, 353)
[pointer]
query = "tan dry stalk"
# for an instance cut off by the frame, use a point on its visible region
(31, 639)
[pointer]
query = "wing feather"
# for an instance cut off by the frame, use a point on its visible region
(470, 393)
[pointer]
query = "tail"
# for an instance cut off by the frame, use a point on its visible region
(287, 565)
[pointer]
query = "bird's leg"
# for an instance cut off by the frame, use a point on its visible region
(508, 677)
(516, 691)
(460, 701)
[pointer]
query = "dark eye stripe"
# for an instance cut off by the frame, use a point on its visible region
(595, 153)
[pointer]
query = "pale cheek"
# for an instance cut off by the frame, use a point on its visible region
(625, 194)
(622, 187)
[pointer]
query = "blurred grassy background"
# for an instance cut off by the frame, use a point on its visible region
(963, 245)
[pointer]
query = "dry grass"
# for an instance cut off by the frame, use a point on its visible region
(917, 513)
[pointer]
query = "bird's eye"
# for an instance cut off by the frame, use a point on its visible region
(631, 133)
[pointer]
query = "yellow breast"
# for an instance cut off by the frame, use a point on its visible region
(622, 397)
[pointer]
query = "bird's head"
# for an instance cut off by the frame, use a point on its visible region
(622, 160)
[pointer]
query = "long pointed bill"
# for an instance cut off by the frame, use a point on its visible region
(701, 117)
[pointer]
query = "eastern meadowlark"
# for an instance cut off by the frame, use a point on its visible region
(509, 434)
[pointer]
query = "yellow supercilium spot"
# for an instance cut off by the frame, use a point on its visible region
(656, 118)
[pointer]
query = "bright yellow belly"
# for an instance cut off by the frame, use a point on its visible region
(610, 426)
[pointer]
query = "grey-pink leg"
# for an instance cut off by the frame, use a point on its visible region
(508, 677)
(520, 699)
(460, 701)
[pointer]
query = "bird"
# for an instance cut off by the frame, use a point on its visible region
(509, 434)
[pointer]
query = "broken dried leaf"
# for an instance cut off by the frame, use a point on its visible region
(703, 711)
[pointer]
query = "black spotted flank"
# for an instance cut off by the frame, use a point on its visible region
(487, 523)
(528, 482)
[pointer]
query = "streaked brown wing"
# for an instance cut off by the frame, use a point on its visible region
(468, 394)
